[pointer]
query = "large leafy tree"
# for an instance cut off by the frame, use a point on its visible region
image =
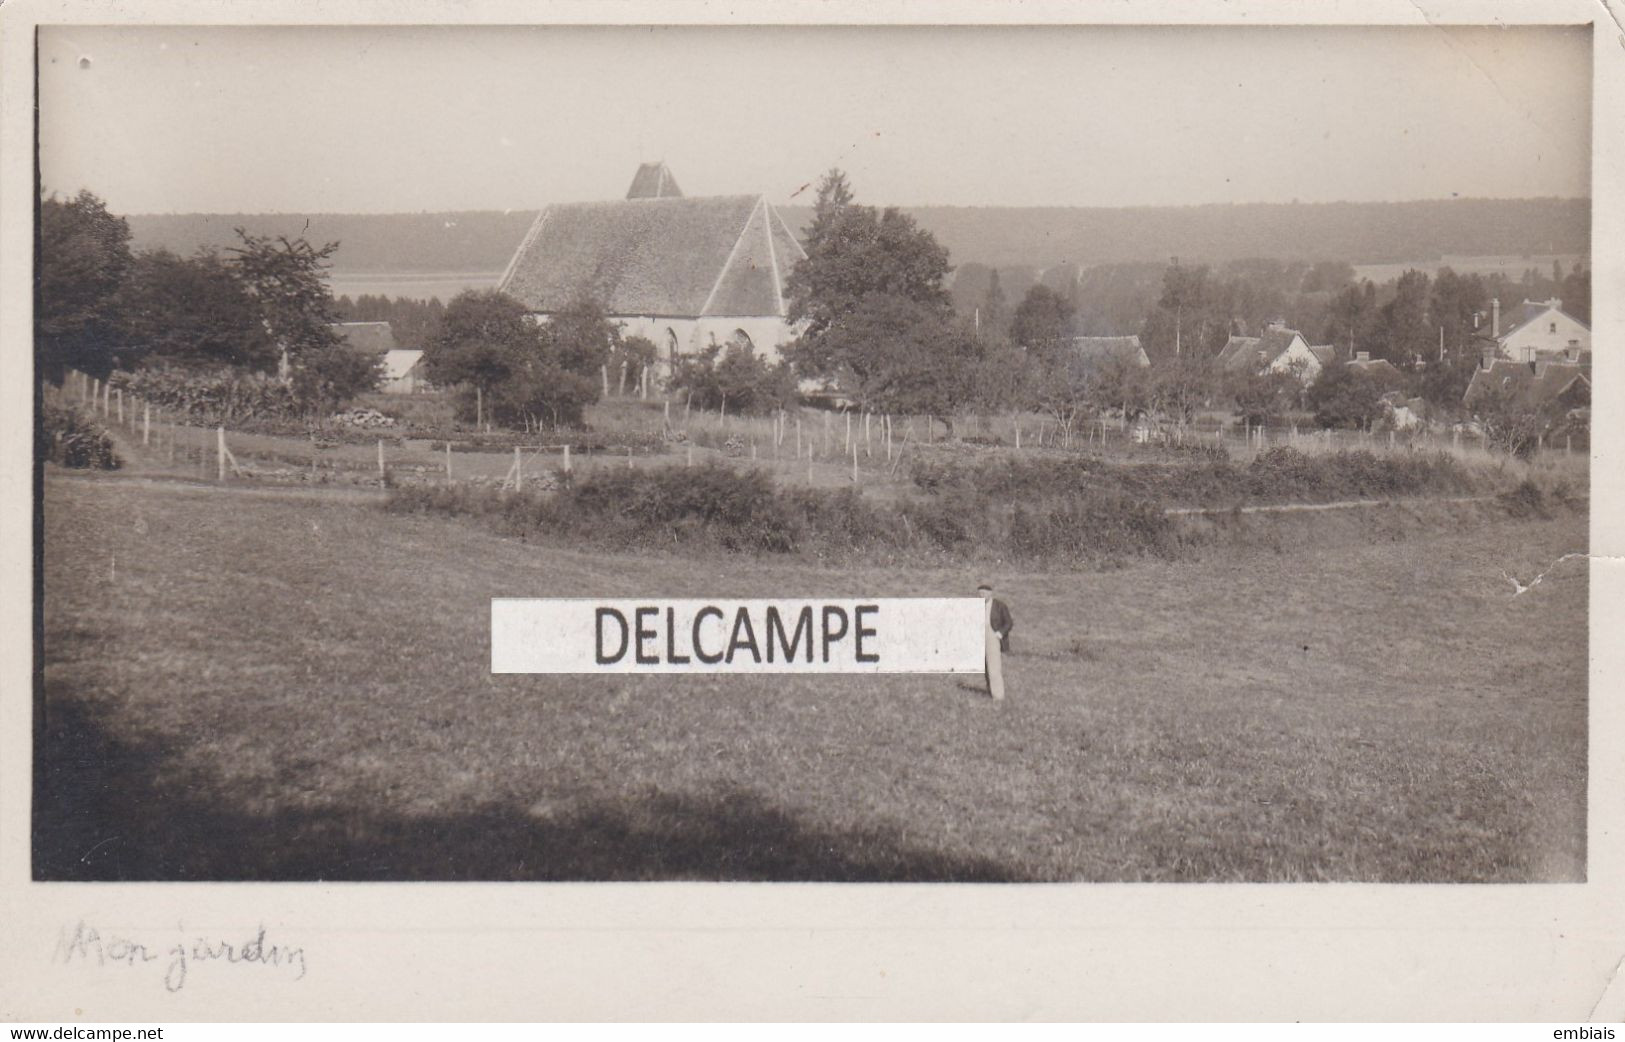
(734, 377)
(893, 354)
(1404, 336)
(82, 254)
(1343, 396)
(287, 279)
(192, 312)
(515, 370)
(854, 252)
(1043, 320)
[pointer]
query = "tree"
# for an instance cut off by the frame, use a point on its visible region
(1343, 396)
(1042, 320)
(1066, 385)
(733, 377)
(1403, 335)
(82, 254)
(991, 321)
(892, 354)
(514, 370)
(1508, 421)
(856, 251)
(1263, 398)
(473, 347)
(287, 278)
(1352, 318)
(193, 313)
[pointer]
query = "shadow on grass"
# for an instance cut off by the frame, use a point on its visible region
(111, 808)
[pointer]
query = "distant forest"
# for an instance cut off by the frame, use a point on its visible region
(1041, 237)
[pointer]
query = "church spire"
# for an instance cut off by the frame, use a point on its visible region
(654, 181)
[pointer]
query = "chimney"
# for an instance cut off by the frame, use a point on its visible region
(1495, 318)
(1556, 304)
(1362, 356)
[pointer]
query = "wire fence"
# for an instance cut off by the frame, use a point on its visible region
(818, 447)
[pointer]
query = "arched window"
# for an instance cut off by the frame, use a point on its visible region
(740, 338)
(671, 347)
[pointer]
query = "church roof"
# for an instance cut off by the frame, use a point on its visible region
(675, 257)
(654, 181)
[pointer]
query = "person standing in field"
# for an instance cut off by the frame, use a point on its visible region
(999, 625)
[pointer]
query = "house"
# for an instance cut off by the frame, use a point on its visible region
(683, 272)
(1277, 350)
(1538, 330)
(1097, 351)
(1536, 385)
(403, 373)
(1380, 368)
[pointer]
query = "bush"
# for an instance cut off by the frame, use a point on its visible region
(68, 439)
(212, 397)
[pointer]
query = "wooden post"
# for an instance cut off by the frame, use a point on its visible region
(567, 457)
(146, 423)
(885, 424)
(826, 433)
(1018, 434)
(121, 405)
(798, 435)
(643, 384)
(381, 472)
(687, 398)
(668, 412)
(753, 450)
(518, 466)
(220, 453)
(868, 450)
(1568, 444)
(848, 443)
(448, 459)
(620, 384)
(809, 462)
(629, 457)
(603, 374)
(479, 406)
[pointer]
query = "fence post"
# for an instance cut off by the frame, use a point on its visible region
(848, 444)
(567, 457)
(448, 459)
(629, 456)
(798, 434)
(603, 374)
(826, 433)
(668, 412)
(381, 474)
(146, 424)
(1018, 434)
(220, 452)
(1568, 444)
(809, 463)
(868, 450)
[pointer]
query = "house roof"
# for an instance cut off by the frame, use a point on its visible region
(680, 257)
(1535, 383)
(399, 362)
(1533, 311)
(654, 181)
(1325, 354)
(1098, 349)
(1374, 366)
(1247, 353)
(372, 337)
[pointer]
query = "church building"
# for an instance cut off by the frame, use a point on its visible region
(683, 272)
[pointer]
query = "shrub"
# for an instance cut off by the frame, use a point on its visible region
(217, 396)
(68, 439)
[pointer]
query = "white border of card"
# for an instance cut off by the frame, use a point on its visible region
(673, 951)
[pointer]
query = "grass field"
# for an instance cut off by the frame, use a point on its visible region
(246, 685)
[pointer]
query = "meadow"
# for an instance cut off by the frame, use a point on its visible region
(248, 683)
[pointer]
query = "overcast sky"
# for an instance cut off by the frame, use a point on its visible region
(383, 120)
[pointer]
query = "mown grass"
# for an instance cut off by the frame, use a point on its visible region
(245, 688)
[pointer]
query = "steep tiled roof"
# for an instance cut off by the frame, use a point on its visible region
(1251, 353)
(1325, 354)
(1375, 367)
(1536, 384)
(654, 181)
(720, 255)
(1239, 352)
(1097, 349)
(372, 337)
(1531, 311)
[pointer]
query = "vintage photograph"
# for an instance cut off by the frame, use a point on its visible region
(1244, 372)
